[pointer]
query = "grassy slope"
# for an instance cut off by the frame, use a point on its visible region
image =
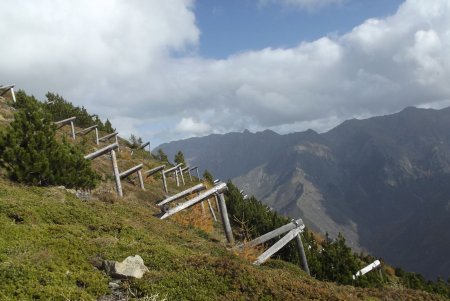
(51, 242)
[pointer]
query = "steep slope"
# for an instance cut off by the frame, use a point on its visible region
(52, 244)
(380, 181)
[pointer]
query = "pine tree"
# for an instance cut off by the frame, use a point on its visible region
(161, 156)
(31, 154)
(134, 141)
(108, 127)
(179, 158)
(338, 261)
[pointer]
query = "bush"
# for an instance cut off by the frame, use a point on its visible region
(31, 154)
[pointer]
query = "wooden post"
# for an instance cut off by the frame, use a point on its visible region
(12, 94)
(141, 180)
(117, 141)
(96, 136)
(225, 220)
(73, 130)
(168, 171)
(164, 181)
(116, 173)
(190, 177)
(198, 175)
(203, 208)
(182, 177)
(277, 246)
(301, 252)
(212, 211)
(176, 176)
(217, 202)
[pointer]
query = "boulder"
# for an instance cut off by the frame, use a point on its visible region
(132, 266)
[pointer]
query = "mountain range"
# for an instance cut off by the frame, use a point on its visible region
(383, 182)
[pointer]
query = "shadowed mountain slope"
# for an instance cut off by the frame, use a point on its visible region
(382, 182)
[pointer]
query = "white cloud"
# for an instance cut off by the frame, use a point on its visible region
(116, 58)
(192, 127)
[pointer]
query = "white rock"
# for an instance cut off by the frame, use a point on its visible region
(132, 266)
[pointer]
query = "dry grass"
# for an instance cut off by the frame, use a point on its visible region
(197, 217)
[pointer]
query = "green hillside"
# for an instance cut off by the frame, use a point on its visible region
(52, 244)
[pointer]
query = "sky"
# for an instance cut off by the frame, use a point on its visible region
(169, 70)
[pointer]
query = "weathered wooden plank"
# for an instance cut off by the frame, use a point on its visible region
(224, 215)
(86, 130)
(5, 89)
(154, 170)
(109, 136)
(144, 145)
(181, 194)
(275, 233)
(131, 171)
(277, 246)
(367, 269)
(206, 194)
(101, 151)
(172, 168)
(64, 121)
